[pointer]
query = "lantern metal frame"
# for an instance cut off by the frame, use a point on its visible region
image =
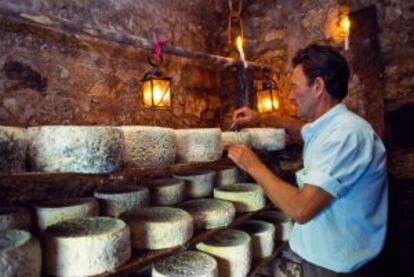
(155, 74)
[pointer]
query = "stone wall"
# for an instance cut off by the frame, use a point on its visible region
(48, 78)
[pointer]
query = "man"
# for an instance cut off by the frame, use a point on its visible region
(340, 207)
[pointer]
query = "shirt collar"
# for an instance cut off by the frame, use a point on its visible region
(310, 129)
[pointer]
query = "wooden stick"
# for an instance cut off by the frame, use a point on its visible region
(17, 14)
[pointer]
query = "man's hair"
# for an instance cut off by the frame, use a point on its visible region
(324, 62)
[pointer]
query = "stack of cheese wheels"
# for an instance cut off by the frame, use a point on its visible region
(280, 220)
(184, 264)
(246, 197)
(116, 200)
(268, 139)
(198, 145)
(20, 254)
(166, 192)
(198, 184)
(86, 246)
(227, 176)
(148, 145)
(13, 146)
(15, 218)
(84, 149)
(235, 137)
(158, 227)
(50, 212)
(231, 248)
(210, 213)
(263, 237)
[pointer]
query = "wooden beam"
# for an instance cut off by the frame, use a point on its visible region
(17, 14)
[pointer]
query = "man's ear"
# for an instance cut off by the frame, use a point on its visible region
(319, 86)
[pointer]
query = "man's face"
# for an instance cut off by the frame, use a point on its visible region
(302, 95)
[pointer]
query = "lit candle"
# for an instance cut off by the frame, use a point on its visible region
(239, 44)
(345, 25)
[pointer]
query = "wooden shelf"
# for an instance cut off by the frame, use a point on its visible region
(259, 265)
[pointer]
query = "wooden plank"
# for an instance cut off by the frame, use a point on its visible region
(19, 15)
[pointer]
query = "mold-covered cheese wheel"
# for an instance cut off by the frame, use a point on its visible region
(235, 137)
(269, 139)
(227, 176)
(158, 227)
(116, 200)
(166, 192)
(246, 197)
(280, 220)
(148, 145)
(50, 212)
(86, 246)
(231, 248)
(198, 145)
(13, 147)
(210, 213)
(83, 149)
(184, 264)
(263, 237)
(20, 254)
(198, 184)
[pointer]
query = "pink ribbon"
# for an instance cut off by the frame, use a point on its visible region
(157, 47)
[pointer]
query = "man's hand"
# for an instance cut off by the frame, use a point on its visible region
(245, 115)
(243, 156)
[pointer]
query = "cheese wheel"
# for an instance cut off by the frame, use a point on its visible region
(20, 254)
(13, 146)
(148, 145)
(188, 263)
(263, 237)
(268, 139)
(210, 213)
(198, 184)
(198, 145)
(231, 248)
(280, 220)
(84, 149)
(50, 212)
(227, 176)
(235, 137)
(166, 192)
(246, 197)
(15, 218)
(116, 200)
(86, 246)
(158, 227)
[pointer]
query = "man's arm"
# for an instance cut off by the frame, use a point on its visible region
(300, 204)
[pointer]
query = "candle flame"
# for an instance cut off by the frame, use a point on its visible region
(239, 44)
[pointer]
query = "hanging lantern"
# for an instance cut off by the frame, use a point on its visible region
(268, 99)
(156, 87)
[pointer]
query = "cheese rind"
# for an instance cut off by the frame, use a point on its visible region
(148, 145)
(263, 237)
(20, 254)
(50, 212)
(83, 149)
(15, 218)
(227, 176)
(158, 227)
(280, 220)
(198, 184)
(210, 213)
(114, 201)
(235, 137)
(166, 192)
(86, 246)
(198, 145)
(246, 197)
(231, 248)
(13, 147)
(268, 139)
(188, 263)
